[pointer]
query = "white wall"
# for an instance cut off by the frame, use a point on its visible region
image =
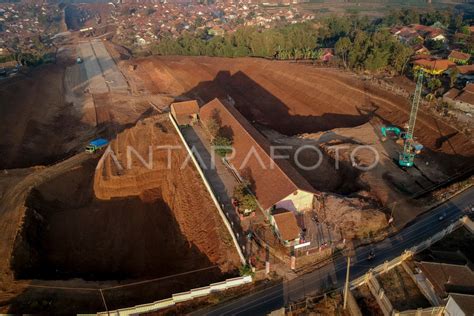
(452, 309)
(300, 202)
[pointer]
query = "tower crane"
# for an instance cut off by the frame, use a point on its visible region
(410, 147)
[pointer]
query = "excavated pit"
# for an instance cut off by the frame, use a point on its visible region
(95, 223)
(68, 233)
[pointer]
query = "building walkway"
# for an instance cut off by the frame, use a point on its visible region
(220, 178)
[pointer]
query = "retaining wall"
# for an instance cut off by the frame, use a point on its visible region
(209, 189)
(180, 297)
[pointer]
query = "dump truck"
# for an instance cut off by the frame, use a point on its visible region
(96, 145)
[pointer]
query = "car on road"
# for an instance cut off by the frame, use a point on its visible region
(442, 217)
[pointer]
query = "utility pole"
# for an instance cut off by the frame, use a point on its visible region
(346, 287)
(349, 253)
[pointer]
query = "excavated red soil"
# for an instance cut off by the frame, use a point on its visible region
(35, 122)
(294, 99)
(136, 223)
(93, 221)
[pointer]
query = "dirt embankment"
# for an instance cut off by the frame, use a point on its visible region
(295, 99)
(36, 124)
(297, 105)
(151, 171)
(124, 224)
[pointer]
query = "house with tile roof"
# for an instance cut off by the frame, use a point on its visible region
(459, 57)
(465, 72)
(185, 113)
(459, 305)
(433, 67)
(461, 99)
(285, 227)
(445, 278)
(275, 183)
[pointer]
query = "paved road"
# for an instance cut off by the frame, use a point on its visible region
(332, 275)
(102, 73)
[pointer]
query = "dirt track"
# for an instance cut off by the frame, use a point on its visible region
(294, 99)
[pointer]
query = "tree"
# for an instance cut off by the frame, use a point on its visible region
(213, 127)
(245, 197)
(400, 56)
(342, 47)
(246, 270)
(434, 84)
(453, 76)
(223, 145)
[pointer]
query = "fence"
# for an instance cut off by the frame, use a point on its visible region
(430, 311)
(180, 297)
(378, 292)
(209, 189)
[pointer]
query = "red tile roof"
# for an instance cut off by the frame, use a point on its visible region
(466, 95)
(465, 70)
(459, 55)
(287, 225)
(445, 276)
(440, 64)
(271, 180)
(186, 107)
(183, 112)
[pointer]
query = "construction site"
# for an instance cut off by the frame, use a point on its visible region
(75, 223)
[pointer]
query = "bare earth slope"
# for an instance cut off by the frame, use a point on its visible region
(294, 99)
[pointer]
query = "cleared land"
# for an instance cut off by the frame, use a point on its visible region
(402, 292)
(67, 225)
(296, 104)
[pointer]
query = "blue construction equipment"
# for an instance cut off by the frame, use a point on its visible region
(410, 147)
(96, 144)
(393, 129)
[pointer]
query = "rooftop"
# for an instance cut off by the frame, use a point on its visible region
(271, 180)
(287, 225)
(459, 55)
(448, 277)
(465, 302)
(439, 64)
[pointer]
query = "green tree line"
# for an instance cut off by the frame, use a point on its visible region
(360, 44)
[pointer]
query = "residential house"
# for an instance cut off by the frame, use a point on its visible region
(185, 113)
(445, 278)
(275, 183)
(327, 54)
(285, 227)
(461, 99)
(420, 49)
(459, 57)
(459, 305)
(466, 72)
(433, 67)
(216, 31)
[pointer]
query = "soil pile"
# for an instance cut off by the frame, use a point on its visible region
(140, 165)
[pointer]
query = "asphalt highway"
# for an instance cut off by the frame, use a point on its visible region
(332, 276)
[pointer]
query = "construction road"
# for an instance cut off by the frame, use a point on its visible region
(102, 73)
(332, 275)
